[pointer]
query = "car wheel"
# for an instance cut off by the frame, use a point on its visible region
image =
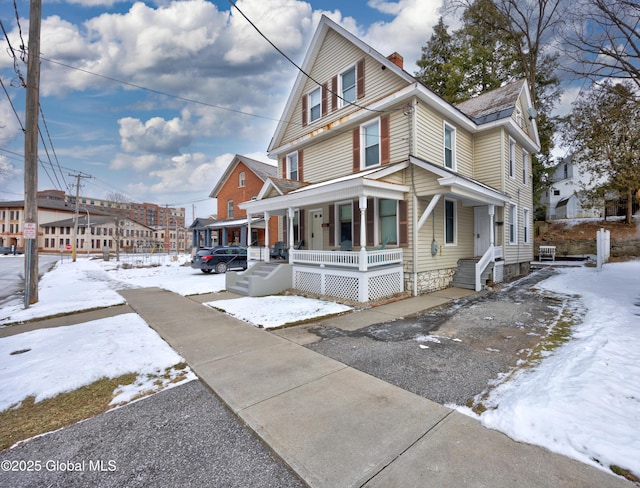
(221, 267)
(206, 271)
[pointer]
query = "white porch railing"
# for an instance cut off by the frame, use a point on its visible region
(348, 259)
(489, 256)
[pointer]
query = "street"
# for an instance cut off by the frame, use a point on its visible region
(12, 274)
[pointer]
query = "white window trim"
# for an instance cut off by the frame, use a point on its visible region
(512, 158)
(377, 223)
(288, 164)
(455, 223)
(229, 209)
(242, 179)
(336, 230)
(309, 106)
(341, 102)
(526, 228)
(514, 241)
(525, 167)
(363, 138)
(454, 164)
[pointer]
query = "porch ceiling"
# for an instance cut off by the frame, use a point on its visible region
(328, 192)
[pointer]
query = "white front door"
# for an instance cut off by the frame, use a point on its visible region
(316, 229)
(482, 230)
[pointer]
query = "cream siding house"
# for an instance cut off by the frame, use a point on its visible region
(398, 190)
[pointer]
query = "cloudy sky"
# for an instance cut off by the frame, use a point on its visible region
(153, 99)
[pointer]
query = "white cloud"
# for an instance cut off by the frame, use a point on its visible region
(134, 162)
(156, 135)
(7, 170)
(399, 34)
(9, 125)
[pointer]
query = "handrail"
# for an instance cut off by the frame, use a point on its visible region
(347, 259)
(481, 265)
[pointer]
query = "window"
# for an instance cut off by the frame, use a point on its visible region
(512, 158)
(566, 171)
(449, 147)
(292, 166)
(241, 179)
(519, 117)
(315, 98)
(525, 167)
(230, 209)
(450, 222)
(348, 86)
(513, 224)
(556, 193)
(345, 217)
(388, 222)
(371, 143)
(525, 226)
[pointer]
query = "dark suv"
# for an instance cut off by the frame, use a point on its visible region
(219, 259)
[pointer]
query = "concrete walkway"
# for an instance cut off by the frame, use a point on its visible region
(338, 427)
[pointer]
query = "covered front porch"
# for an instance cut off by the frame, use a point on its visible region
(333, 238)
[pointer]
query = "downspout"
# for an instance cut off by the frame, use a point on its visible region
(414, 204)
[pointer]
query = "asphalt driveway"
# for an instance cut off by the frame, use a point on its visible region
(449, 354)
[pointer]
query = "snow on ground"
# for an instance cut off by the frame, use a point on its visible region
(583, 400)
(46, 362)
(276, 311)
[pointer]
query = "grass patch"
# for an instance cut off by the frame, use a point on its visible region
(31, 418)
(625, 473)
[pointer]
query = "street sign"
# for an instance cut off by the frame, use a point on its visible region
(29, 230)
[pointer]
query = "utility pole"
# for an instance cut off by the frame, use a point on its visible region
(75, 215)
(31, 153)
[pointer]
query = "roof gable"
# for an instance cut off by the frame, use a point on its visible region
(262, 170)
(493, 105)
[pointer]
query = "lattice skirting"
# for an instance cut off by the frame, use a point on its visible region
(357, 286)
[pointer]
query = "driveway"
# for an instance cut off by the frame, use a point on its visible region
(449, 354)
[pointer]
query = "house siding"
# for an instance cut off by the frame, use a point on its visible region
(488, 167)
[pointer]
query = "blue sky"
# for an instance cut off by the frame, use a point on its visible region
(159, 148)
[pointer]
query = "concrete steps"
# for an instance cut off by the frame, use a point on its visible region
(262, 274)
(465, 276)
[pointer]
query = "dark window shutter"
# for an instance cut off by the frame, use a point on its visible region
(332, 225)
(325, 99)
(304, 109)
(404, 223)
(385, 151)
(284, 168)
(334, 94)
(356, 149)
(355, 217)
(360, 80)
(300, 166)
(371, 213)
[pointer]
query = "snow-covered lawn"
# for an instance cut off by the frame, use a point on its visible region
(583, 399)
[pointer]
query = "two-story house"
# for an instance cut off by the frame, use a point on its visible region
(389, 187)
(241, 181)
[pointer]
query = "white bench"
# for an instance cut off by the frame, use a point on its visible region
(547, 252)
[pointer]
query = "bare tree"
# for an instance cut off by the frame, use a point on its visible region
(604, 40)
(118, 200)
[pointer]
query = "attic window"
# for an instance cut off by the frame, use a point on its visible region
(241, 179)
(348, 86)
(315, 110)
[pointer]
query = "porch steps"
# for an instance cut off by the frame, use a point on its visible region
(465, 275)
(260, 279)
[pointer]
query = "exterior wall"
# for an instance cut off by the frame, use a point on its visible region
(337, 54)
(231, 190)
(489, 164)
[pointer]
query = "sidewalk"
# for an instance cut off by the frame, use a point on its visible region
(338, 427)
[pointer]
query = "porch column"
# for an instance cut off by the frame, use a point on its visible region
(362, 203)
(249, 230)
(491, 210)
(291, 214)
(267, 250)
(243, 235)
(225, 236)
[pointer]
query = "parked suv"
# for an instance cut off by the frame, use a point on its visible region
(219, 259)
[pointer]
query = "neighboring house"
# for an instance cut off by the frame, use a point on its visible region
(241, 181)
(201, 233)
(563, 198)
(388, 187)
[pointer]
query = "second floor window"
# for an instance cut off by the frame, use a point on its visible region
(348, 86)
(512, 158)
(241, 179)
(315, 107)
(292, 166)
(371, 143)
(449, 147)
(525, 167)
(230, 209)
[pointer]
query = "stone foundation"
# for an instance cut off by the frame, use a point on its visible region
(619, 247)
(430, 281)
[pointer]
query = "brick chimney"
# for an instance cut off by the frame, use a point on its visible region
(396, 59)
